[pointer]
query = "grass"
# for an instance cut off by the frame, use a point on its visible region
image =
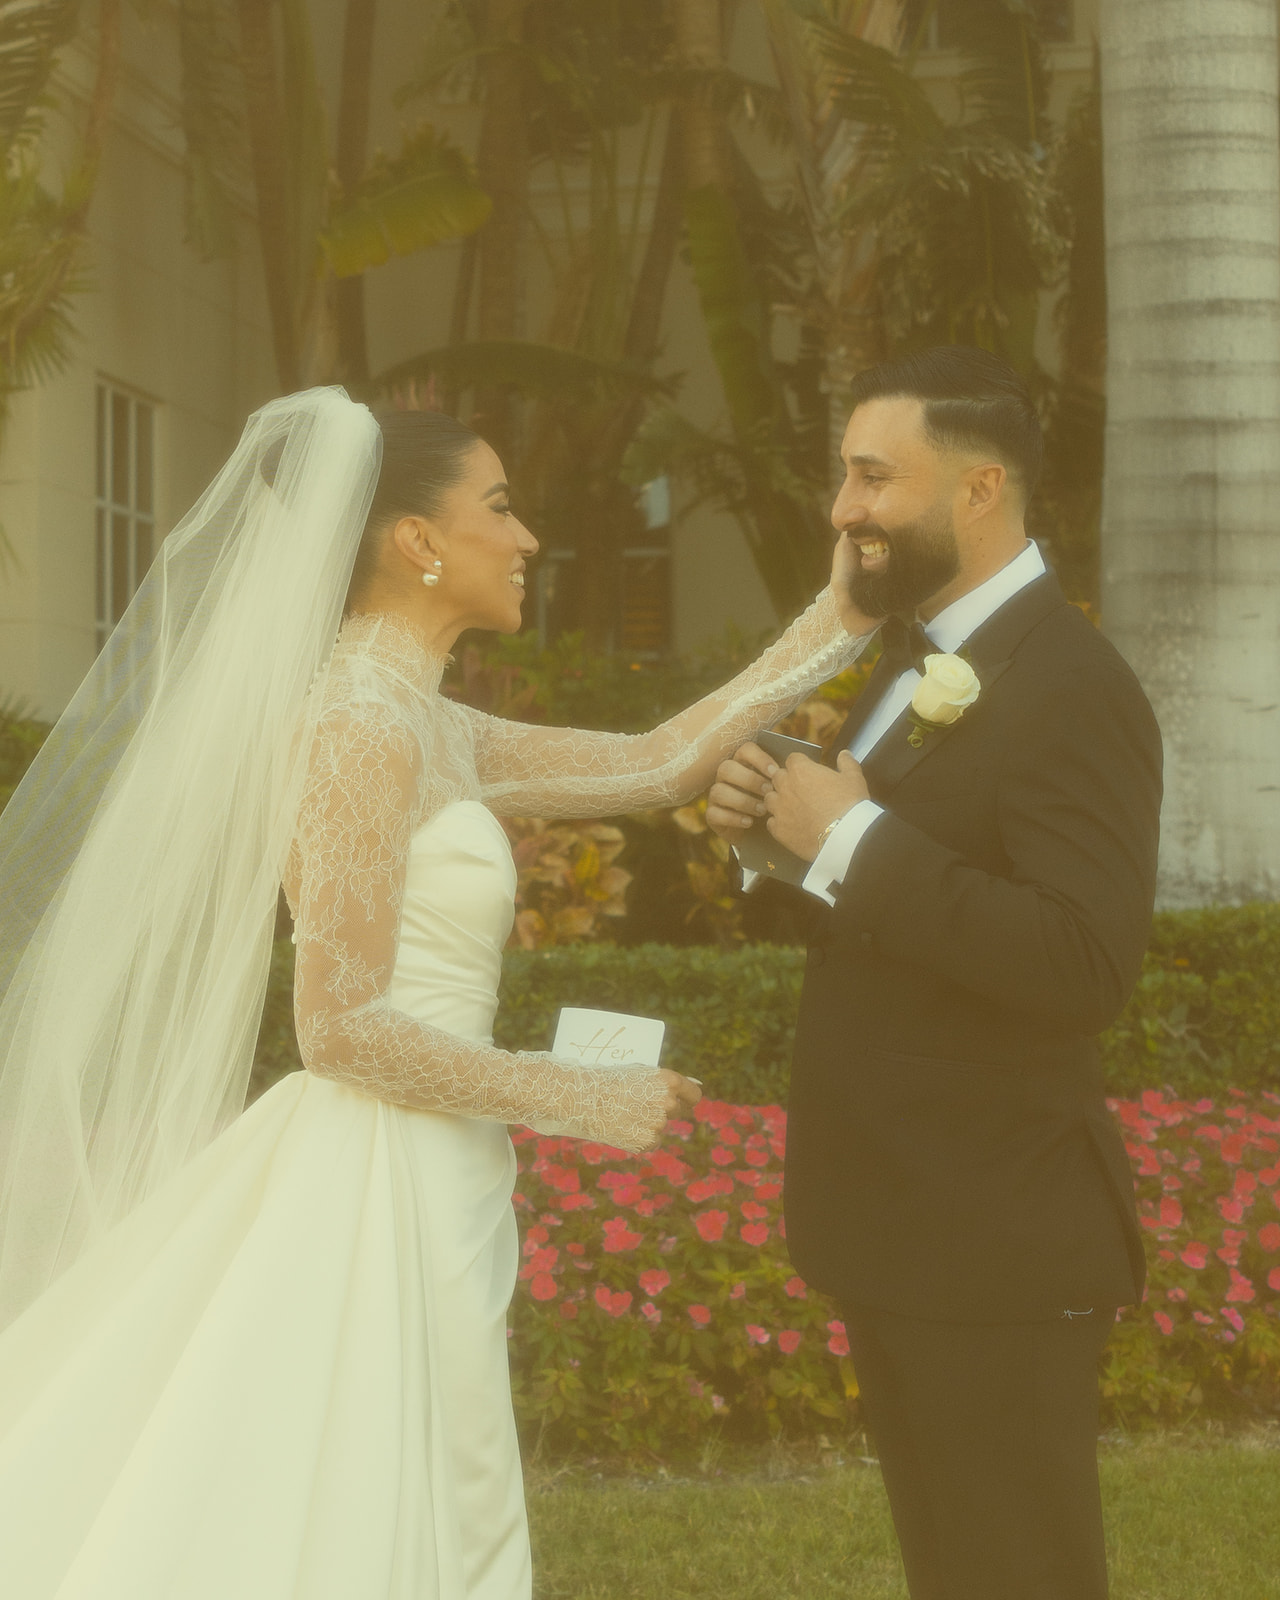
(1189, 1517)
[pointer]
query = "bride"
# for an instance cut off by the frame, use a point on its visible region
(264, 1354)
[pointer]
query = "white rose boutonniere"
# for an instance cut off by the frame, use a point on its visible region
(949, 687)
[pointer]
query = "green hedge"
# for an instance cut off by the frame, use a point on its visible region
(1205, 1015)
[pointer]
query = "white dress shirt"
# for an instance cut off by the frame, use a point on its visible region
(948, 630)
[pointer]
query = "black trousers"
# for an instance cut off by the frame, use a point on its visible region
(987, 1437)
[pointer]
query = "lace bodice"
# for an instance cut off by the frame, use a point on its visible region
(390, 753)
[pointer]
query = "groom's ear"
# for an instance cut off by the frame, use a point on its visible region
(984, 487)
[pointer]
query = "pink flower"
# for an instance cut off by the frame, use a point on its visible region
(1163, 1321)
(722, 1156)
(1232, 1209)
(768, 1191)
(756, 1233)
(654, 1280)
(1231, 1315)
(1195, 1255)
(795, 1289)
(756, 1158)
(1202, 1316)
(1245, 1183)
(627, 1194)
(535, 1236)
(618, 1237)
(756, 1334)
(838, 1343)
(543, 1286)
(577, 1202)
(651, 1313)
(707, 1188)
(752, 1211)
(1177, 1294)
(738, 1291)
(711, 1225)
(1170, 1212)
(1273, 1279)
(1241, 1287)
(614, 1304)
(789, 1341)
(699, 1316)
(729, 1136)
(1269, 1236)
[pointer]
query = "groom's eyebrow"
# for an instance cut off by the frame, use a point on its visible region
(867, 461)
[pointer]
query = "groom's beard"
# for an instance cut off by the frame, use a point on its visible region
(923, 558)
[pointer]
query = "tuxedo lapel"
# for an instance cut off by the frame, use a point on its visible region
(873, 691)
(989, 649)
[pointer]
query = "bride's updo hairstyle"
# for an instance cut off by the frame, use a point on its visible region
(424, 454)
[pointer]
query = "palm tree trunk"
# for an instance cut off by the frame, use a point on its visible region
(267, 144)
(502, 162)
(1191, 549)
(350, 156)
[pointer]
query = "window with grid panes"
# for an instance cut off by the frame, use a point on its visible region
(125, 501)
(1055, 17)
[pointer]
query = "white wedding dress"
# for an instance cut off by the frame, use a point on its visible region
(284, 1376)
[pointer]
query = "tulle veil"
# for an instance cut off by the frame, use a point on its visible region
(140, 858)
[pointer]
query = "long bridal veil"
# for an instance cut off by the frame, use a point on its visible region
(140, 858)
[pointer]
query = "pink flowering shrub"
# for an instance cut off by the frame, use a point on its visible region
(1207, 1176)
(656, 1295)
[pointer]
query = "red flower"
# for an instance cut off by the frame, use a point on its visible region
(738, 1291)
(618, 1237)
(1195, 1255)
(628, 1194)
(568, 1310)
(664, 1165)
(1244, 1185)
(753, 1212)
(756, 1158)
(1231, 1315)
(543, 1286)
(700, 1316)
(1177, 1294)
(1242, 1288)
(1273, 1279)
(1170, 1212)
(540, 1260)
(1232, 1209)
(577, 1202)
(1270, 1175)
(768, 1191)
(756, 1233)
(722, 1155)
(1202, 1316)
(838, 1343)
(1269, 1236)
(651, 1313)
(576, 1249)
(535, 1236)
(789, 1341)
(614, 1304)
(711, 1224)
(756, 1334)
(729, 1136)
(707, 1188)
(795, 1288)
(654, 1280)
(1163, 1321)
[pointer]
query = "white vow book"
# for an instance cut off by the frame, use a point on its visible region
(607, 1038)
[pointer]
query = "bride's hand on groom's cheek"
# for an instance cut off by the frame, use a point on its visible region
(804, 799)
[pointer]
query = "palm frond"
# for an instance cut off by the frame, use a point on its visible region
(1003, 81)
(31, 33)
(212, 118)
(542, 370)
(872, 88)
(425, 194)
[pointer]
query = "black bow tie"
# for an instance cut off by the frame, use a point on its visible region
(905, 644)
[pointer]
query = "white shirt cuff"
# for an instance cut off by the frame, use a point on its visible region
(831, 863)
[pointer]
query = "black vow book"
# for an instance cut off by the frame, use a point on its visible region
(758, 850)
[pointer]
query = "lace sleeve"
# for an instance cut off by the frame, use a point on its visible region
(346, 884)
(548, 772)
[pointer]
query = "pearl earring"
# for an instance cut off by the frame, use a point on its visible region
(431, 578)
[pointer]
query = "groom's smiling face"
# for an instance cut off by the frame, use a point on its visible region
(898, 503)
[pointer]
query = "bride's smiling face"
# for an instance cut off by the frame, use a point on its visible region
(482, 548)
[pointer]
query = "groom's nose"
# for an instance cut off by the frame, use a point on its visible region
(847, 513)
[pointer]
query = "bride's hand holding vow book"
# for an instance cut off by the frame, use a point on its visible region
(617, 1040)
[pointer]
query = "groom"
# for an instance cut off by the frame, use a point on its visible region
(954, 1179)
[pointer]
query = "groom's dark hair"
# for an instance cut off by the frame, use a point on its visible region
(972, 401)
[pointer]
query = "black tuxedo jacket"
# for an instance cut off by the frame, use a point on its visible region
(949, 1151)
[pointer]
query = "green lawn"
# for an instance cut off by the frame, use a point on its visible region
(1187, 1519)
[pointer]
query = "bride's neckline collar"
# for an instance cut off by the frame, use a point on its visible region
(396, 644)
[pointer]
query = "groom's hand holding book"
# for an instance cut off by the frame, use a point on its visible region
(800, 800)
